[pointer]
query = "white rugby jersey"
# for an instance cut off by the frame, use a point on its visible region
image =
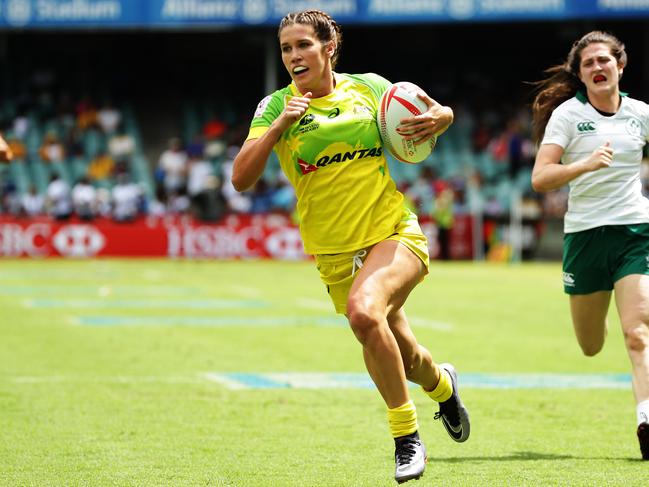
(612, 195)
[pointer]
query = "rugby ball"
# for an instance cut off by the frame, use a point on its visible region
(400, 101)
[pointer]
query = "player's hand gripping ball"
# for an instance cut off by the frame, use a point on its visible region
(398, 102)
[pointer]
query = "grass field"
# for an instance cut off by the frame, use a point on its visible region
(107, 368)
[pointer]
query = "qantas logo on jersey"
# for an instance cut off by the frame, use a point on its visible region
(306, 168)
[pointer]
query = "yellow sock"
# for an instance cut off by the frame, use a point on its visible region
(403, 420)
(443, 389)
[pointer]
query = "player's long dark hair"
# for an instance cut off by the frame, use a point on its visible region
(326, 29)
(562, 81)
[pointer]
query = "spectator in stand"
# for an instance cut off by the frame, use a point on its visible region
(283, 196)
(214, 132)
(32, 203)
(157, 207)
(126, 198)
(9, 199)
(101, 168)
(443, 215)
(480, 137)
(52, 149)
(214, 129)
(109, 118)
(421, 191)
(21, 126)
(173, 167)
(121, 144)
(84, 199)
(237, 202)
(6, 154)
(214, 149)
(201, 183)
(196, 147)
(86, 114)
(262, 197)
(57, 198)
(17, 147)
(74, 142)
(178, 202)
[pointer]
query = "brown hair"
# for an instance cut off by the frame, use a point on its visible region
(326, 29)
(562, 81)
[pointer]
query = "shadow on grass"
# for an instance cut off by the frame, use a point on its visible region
(529, 456)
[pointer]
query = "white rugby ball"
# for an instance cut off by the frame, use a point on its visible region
(398, 102)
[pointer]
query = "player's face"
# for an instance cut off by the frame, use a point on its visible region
(305, 57)
(599, 70)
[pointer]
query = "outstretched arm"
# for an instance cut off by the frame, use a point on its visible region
(549, 175)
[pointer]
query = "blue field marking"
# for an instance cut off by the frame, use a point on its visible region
(216, 321)
(152, 303)
(351, 380)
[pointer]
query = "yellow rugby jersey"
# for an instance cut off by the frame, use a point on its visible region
(333, 156)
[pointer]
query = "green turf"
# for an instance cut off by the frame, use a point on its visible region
(129, 405)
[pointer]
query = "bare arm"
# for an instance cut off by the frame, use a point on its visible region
(251, 160)
(5, 152)
(432, 123)
(548, 174)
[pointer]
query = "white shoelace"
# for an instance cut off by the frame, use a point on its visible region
(357, 260)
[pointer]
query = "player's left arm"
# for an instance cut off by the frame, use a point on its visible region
(432, 123)
(5, 151)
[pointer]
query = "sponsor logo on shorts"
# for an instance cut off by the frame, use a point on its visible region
(586, 126)
(568, 279)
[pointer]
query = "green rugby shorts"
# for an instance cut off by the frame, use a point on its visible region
(595, 259)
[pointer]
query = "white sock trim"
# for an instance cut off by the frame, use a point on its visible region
(643, 412)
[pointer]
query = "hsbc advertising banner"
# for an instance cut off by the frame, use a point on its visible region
(236, 237)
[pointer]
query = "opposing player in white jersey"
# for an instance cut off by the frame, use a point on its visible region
(592, 138)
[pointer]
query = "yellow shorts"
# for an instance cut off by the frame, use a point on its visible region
(337, 271)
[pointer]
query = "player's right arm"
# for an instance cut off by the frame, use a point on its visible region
(549, 174)
(251, 160)
(5, 151)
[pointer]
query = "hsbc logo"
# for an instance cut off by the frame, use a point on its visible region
(587, 126)
(78, 241)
